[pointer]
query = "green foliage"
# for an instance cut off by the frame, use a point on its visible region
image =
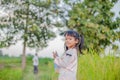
(90, 67)
(26, 23)
(94, 20)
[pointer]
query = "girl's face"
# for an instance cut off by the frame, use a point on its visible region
(70, 41)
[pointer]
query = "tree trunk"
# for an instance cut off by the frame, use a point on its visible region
(25, 40)
(24, 56)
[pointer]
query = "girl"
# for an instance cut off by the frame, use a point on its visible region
(67, 64)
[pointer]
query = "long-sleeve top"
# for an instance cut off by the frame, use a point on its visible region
(67, 64)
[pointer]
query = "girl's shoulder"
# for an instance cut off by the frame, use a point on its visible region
(71, 51)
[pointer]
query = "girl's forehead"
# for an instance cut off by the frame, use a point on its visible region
(69, 36)
(72, 34)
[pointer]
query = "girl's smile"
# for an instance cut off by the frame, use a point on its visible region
(70, 41)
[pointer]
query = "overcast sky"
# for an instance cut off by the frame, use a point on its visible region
(56, 44)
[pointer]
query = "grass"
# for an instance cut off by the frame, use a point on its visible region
(10, 68)
(90, 67)
(10, 74)
(46, 71)
(93, 67)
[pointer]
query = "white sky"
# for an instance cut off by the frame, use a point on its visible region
(56, 44)
(116, 9)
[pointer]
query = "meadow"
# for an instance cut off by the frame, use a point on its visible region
(90, 67)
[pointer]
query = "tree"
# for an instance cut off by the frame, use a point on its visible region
(29, 21)
(94, 20)
(1, 53)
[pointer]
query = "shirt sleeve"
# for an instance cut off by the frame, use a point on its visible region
(66, 59)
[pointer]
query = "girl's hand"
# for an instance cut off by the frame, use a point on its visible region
(55, 54)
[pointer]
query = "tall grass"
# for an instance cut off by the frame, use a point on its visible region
(10, 68)
(90, 67)
(11, 74)
(94, 67)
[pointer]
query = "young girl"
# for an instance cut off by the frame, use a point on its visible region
(67, 64)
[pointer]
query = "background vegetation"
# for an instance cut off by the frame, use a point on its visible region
(33, 21)
(90, 67)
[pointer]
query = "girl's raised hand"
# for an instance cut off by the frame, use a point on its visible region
(55, 54)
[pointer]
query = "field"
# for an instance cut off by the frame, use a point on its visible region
(90, 67)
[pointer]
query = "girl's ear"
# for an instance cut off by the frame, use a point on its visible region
(77, 41)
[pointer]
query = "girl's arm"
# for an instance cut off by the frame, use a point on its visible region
(66, 60)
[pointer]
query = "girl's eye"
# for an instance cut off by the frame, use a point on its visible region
(68, 39)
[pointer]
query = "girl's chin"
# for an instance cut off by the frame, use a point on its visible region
(69, 46)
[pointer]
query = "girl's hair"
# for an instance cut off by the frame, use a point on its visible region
(76, 35)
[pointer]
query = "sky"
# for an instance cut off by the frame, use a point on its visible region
(116, 9)
(56, 44)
